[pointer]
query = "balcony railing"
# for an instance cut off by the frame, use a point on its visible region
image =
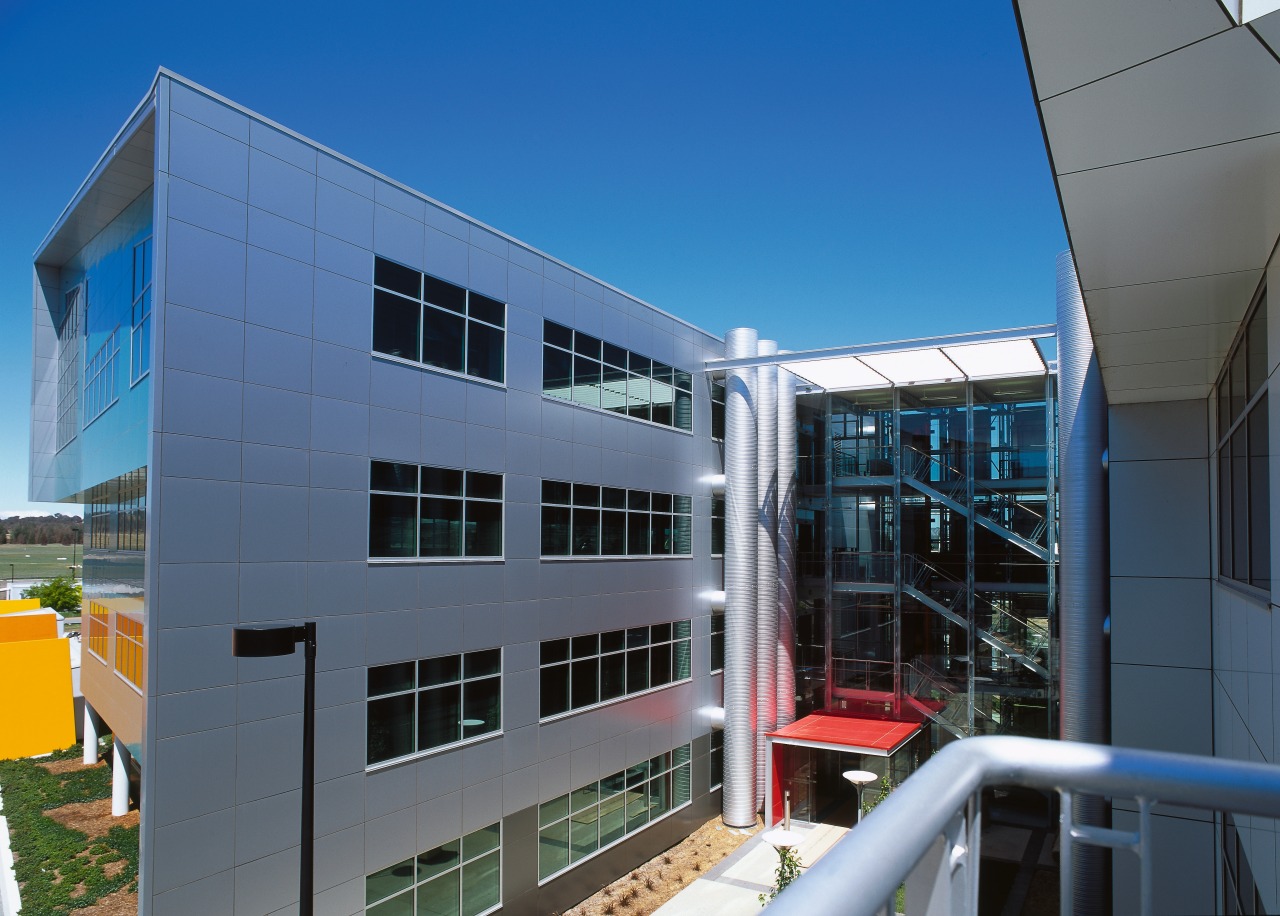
(927, 834)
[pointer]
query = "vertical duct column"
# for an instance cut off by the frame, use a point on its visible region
(741, 509)
(787, 482)
(1082, 573)
(766, 562)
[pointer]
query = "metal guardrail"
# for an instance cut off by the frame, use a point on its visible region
(928, 835)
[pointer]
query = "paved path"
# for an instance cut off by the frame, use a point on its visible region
(734, 886)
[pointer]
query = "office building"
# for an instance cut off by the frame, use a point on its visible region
(553, 538)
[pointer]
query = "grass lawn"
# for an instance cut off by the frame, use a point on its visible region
(33, 561)
(68, 851)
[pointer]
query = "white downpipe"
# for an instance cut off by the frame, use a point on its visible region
(787, 480)
(741, 511)
(120, 780)
(90, 756)
(766, 562)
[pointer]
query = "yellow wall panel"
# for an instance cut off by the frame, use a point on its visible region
(9, 605)
(36, 626)
(37, 714)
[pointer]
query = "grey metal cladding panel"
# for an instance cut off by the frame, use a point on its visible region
(282, 146)
(343, 258)
(444, 396)
(337, 754)
(198, 206)
(395, 435)
(340, 859)
(346, 899)
(390, 789)
(439, 820)
(341, 686)
(446, 257)
(443, 220)
(211, 896)
(391, 839)
(341, 472)
(277, 417)
(276, 359)
(443, 442)
(345, 175)
(519, 789)
(395, 385)
(1152, 535)
(204, 270)
(215, 503)
(481, 805)
(193, 849)
(267, 884)
(195, 711)
(388, 195)
(487, 274)
(273, 523)
(524, 292)
(266, 756)
(196, 594)
(344, 214)
(391, 636)
(196, 105)
(1137, 690)
(398, 237)
(343, 308)
(281, 188)
(339, 426)
(271, 591)
(281, 236)
(1165, 429)
(338, 525)
(481, 627)
(341, 372)
(340, 804)
(439, 631)
(280, 292)
(208, 158)
(275, 464)
(197, 456)
(205, 759)
(267, 826)
(1161, 622)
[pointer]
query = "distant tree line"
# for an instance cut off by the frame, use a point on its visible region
(47, 529)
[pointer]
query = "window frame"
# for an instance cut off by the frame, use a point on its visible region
(417, 690)
(581, 508)
(573, 658)
(595, 788)
(427, 308)
(586, 350)
(459, 866)
(1241, 405)
(419, 496)
(140, 324)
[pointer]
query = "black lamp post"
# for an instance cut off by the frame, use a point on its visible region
(263, 642)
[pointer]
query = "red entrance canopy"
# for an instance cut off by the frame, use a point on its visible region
(881, 736)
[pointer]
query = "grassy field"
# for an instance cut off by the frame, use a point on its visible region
(32, 561)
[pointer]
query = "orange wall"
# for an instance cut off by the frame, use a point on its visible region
(37, 714)
(35, 626)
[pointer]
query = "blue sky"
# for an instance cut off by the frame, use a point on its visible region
(826, 172)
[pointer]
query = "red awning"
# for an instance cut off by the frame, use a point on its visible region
(877, 736)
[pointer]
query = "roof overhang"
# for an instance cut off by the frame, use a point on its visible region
(881, 737)
(1162, 123)
(1014, 353)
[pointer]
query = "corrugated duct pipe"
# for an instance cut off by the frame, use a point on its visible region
(738, 796)
(766, 561)
(786, 663)
(1082, 568)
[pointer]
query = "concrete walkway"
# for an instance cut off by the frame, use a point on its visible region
(734, 886)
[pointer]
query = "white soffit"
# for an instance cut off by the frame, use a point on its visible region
(1074, 43)
(909, 367)
(843, 373)
(1166, 167)
(997, 359)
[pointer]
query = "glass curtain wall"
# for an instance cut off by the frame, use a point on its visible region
(926, 523)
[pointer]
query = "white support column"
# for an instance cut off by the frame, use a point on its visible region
(741, 510)
(786, 548)
(766, 563)
(119, 780)
(90, 736)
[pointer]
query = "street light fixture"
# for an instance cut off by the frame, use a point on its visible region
(266, 642)
(860, 779)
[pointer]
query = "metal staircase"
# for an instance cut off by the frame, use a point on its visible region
(999, 512)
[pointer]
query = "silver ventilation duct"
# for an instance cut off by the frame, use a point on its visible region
(787, 481)
(766, 561)
(738, 796)
(1082, 568)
